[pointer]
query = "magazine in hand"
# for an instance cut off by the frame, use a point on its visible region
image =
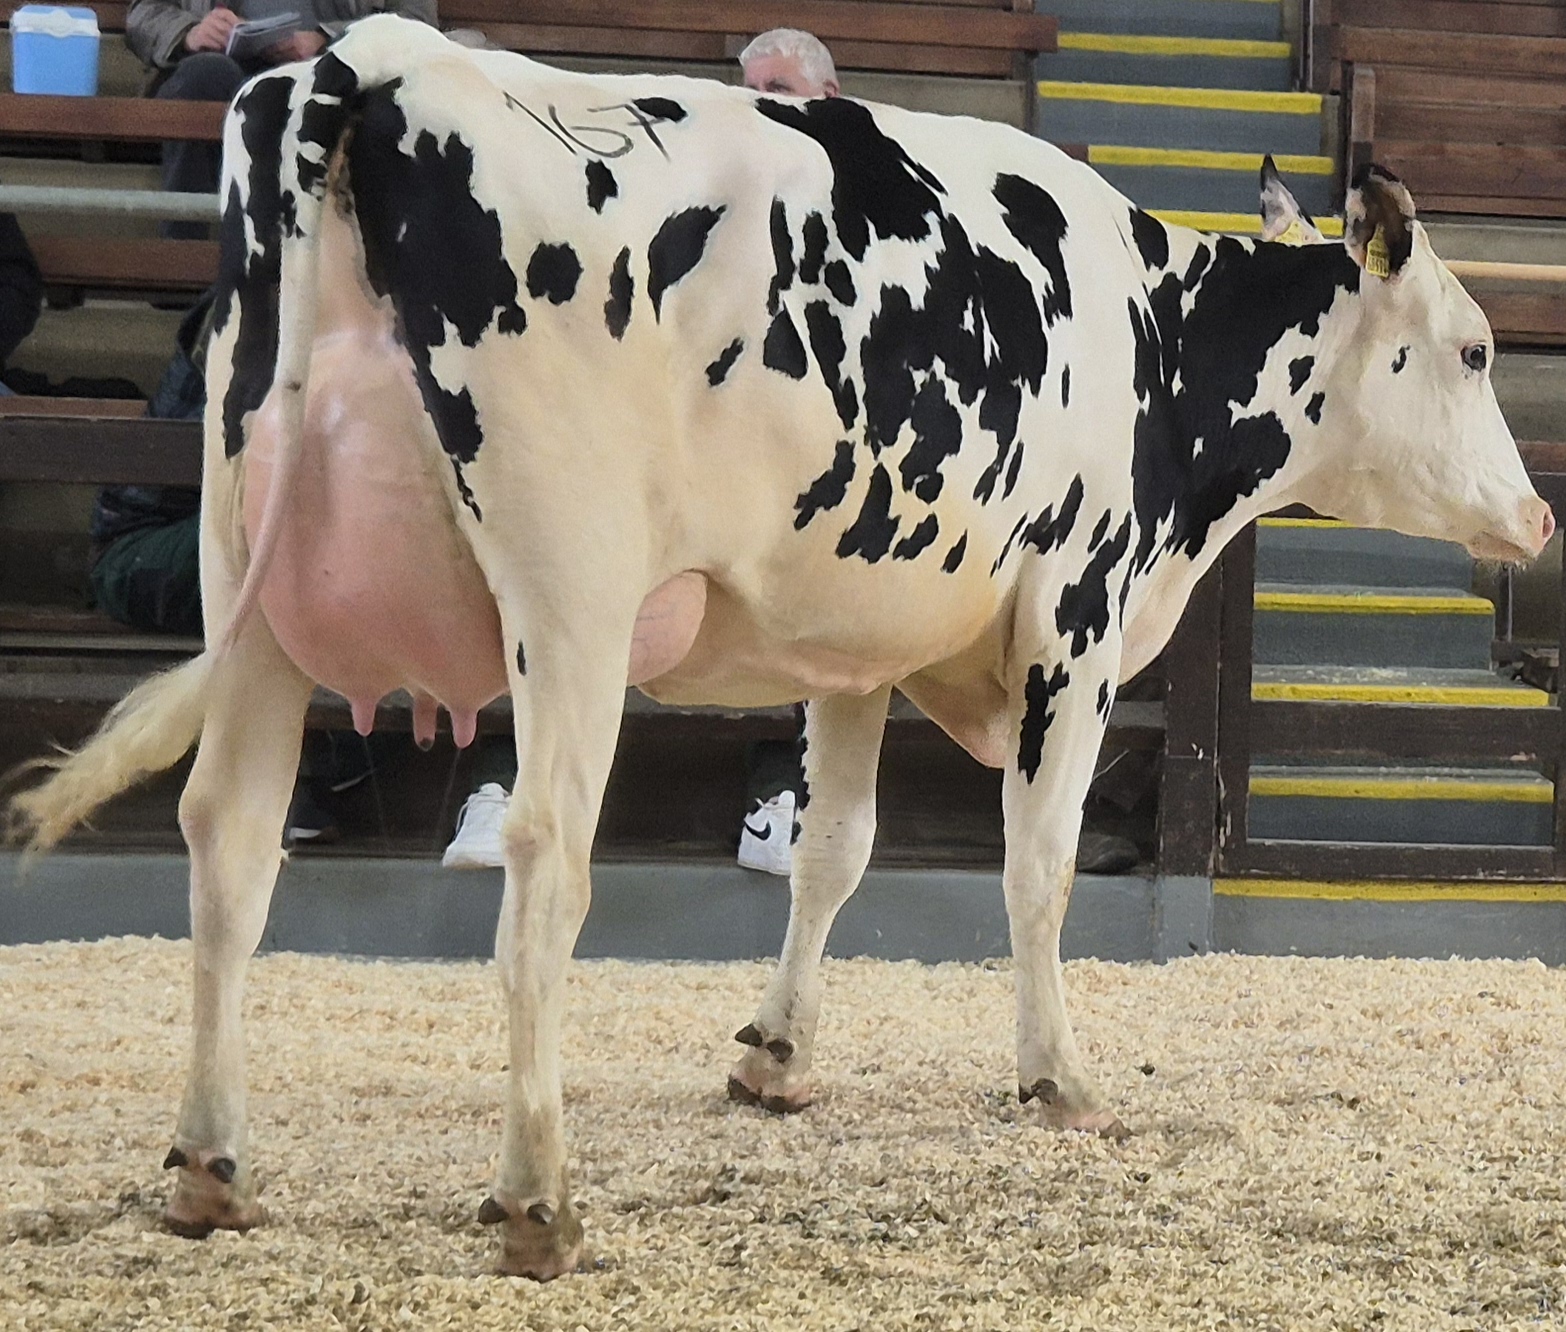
(264, 24)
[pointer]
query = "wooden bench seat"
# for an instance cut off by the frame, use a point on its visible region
(1464, 99)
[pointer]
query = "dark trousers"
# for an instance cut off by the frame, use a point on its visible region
(195, 167)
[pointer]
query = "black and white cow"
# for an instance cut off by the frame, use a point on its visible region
(537, 382)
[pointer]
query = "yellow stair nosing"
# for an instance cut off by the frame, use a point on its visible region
(1356, 603)
(1311, 522)
(1243, 224)
(1390, 891)
(1202, 159)
(1471, 696)
(1208, 99)
(1226, 48)
(1476, 790)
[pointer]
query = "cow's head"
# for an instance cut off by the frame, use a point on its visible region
(1421, 445)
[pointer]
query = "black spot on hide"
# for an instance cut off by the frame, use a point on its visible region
(1247, 299)
(435, 250)
(676, 249)
(1299, 372)
(1049, 531)
(1065, 387)
(783, 351)
(870, 535)
(1083, 611)
(1038, 696)
(521, 659)
(918, 539)
(1401, 361)
(601, 185)
(829, 489)
(617, 309)
(1035, 219)
(782, 255)
(552, 273)
(937, 436)
(877, 189)
(815, 249)
(718, 371)
(839, 282)
(1314, 406)
(1152, 241)
(1103, 699)
(954, 555)
(826, 341)
(660, 108)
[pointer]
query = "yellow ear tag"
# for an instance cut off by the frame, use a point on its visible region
(1295, 235)
(1378, 262)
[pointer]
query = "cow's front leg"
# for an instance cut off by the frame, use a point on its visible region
(232, 815)
(1059, 712)
(567, 707)
(842, 745)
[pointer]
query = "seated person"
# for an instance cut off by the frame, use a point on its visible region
(184, 44)
(21, 289)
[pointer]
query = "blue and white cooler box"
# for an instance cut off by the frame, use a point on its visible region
(54, 49)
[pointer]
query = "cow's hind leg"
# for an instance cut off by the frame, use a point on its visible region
(567, 708)
(842, 745)
(1059, 711)
(232, 815)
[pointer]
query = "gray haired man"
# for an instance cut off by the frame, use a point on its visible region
(790, 62)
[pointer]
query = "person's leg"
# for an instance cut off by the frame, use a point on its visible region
(195, 167)
(477, 844)
(149, 578)
(772, 787)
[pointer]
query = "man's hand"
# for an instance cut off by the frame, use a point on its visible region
(299, 46)
(211, 34)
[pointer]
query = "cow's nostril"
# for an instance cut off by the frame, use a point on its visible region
(1549, 523)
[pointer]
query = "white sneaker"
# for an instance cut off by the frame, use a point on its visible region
(766, 842)
(476, 844)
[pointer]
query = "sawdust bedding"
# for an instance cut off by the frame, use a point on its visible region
(1345, 1145)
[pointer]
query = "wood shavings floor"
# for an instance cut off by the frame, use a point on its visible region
(1344, 1145)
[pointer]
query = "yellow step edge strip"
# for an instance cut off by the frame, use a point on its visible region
(1127, 44)
(1204, 99)
(1388, 788)
(1390, 891)
(1302, 522)
(1198, 159)
(1239, 224)
(1352, 603)
(1450, 696)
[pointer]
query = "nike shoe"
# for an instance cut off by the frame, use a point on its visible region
(767, 836)
(476, 844)
(307, 824)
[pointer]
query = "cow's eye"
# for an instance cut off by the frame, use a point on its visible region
(1476, 357)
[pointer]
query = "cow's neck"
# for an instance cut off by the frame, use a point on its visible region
(1257, 331)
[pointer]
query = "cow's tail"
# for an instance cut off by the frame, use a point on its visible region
(374, 52)
(157, 722)
(148, 730)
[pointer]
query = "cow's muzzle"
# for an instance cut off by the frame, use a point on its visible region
(1533, 527)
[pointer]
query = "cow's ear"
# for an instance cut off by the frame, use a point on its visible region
(1281, 215)
(1378, 222)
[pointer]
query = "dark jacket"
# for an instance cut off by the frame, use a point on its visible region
(21, 287)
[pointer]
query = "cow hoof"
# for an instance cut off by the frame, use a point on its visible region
(1057, 1111)
(767, 1088)
(206, 1197)
(541, 1243)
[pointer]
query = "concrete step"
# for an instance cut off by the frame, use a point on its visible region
(1452, 806)
(1186, 179)
(1182, 62)
(1173, 117)
(1500, 239)
(1323, 550)
(1392, 685)
(1371, 626)
(1249, 20)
